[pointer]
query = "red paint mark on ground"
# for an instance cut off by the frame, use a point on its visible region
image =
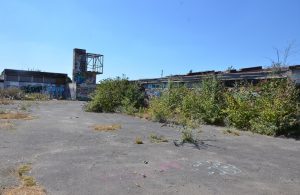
(170, 165)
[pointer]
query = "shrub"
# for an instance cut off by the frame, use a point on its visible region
(277, 108)
(116, 94)
(190, 106)
(159, 109)
(167, 107)
(205, 103)
(240, 106)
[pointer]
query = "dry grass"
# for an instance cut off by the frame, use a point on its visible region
(15, 115)
(231, 132)
(157, 138)
(5, 101)
(143, 115)
(28, 181)
(107, 127)
(24, 169)
(6, 125)
(138, 140)
(29, 185)
(25, 190)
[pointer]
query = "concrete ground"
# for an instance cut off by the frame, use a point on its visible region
(69, 157)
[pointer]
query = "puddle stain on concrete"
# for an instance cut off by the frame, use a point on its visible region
(216, 167)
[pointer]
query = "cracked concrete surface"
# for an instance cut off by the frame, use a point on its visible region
(69, 157)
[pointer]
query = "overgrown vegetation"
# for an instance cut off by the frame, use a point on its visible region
(154, 138)
(271, 107)
(116, 95)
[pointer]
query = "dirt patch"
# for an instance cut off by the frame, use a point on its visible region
(15, 115)
(107, 127)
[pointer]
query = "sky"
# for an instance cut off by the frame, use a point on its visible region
(140, 38)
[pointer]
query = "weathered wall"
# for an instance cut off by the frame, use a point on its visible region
(85, 80)
(53, 90)
(83, 91)
(1, 85)
(295, 76)
(80, 73)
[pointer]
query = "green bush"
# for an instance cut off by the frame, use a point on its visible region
(205, 103)
(190, 107)
(240, 106)
(270, 108)
(167, 107)
(277, 108)
(113, 95)
(159, 109)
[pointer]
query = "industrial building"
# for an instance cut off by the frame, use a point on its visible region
(53, 84)
(86, 66)
(253, 75)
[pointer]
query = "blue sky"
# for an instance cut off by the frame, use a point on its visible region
(139, 38)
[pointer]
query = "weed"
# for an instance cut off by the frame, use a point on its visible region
(29, 185)
(138, 140)
(157, 138)
(24, 169)
(231, 132)
(107, 127)
(187, 136)
(28, 181)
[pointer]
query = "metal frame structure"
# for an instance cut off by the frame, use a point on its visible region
(94, 63)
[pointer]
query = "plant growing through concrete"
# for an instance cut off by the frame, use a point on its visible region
(157, 138)
(29, 185)
(187, 136)
(28, 181)
(231, 132)
(138, 140)
(23, 169)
